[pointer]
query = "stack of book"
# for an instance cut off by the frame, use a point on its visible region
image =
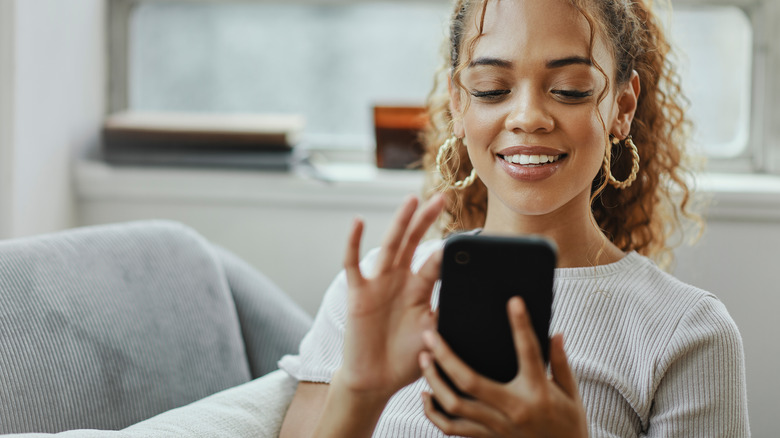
(254, 141)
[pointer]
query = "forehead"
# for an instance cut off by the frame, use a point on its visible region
(536, 30)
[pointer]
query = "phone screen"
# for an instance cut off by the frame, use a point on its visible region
(479, 276)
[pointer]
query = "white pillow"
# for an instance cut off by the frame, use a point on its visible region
(253, 409)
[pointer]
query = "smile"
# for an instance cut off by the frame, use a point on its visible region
(524, 159)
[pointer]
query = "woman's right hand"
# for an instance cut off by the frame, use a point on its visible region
(387, 312)
(389, 308)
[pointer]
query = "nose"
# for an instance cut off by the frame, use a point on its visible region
(528, 114)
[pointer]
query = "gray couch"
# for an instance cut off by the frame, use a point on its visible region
(132, 327)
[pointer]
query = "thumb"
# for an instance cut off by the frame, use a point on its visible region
(559, 365)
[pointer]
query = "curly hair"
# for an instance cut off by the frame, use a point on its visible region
(643, 217)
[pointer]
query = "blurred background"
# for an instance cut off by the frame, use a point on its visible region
(66, 68)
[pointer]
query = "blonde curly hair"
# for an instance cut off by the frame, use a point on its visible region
(642, 217)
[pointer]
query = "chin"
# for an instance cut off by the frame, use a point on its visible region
(541, 204)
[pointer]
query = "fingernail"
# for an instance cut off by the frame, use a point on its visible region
(519, 305)
(429, 338)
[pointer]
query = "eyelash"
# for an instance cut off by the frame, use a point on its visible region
(490, 94)
(571, 95)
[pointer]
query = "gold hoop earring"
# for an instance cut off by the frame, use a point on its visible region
(621, 185)
(457, 185)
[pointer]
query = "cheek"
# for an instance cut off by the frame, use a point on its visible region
(483, 122)
(584, 119)
(587, 135)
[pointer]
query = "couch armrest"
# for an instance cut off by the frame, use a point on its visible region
(272, 324)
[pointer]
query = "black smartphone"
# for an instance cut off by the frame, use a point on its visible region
(479, 274)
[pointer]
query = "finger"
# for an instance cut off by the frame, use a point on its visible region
(394, 237)
(427, 277)
(529, 354)
(453, 426)
(422, 221)
(445, 395)
(464, 378)
(559, 365)
(457, 405)
(352, 257)
(430, 271)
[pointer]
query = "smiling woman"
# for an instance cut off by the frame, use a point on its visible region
(559, 118)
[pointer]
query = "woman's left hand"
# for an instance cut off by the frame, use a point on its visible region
(533, 404)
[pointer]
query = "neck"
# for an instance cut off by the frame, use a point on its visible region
(574, 230)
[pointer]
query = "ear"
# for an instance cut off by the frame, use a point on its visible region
(626, 107)
(455, 109)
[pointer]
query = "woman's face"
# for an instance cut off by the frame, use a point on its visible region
(532, 127)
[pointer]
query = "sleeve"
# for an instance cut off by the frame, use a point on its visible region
(701, 390)
(321, 350)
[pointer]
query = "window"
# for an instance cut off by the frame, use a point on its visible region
(332, 61)
(329, 62)
(715, 58)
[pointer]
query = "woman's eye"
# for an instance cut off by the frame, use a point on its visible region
(573, 94)
(489, 94)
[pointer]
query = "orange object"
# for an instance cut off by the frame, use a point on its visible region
(398, 131)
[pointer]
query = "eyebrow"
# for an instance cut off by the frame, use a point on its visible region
(493, 62)
(571, 60)
(555, 63)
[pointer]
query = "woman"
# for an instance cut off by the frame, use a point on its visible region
(555, 122)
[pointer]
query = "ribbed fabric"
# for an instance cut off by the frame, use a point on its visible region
(104, 326)
(654, 357)
(272, 324)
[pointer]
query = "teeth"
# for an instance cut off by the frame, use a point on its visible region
(531, 159)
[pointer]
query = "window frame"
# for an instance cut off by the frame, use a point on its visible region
(762, 154)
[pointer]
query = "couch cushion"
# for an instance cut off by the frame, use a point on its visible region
(104, 326)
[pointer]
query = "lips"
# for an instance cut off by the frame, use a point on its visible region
(530, 159)
(530, 163)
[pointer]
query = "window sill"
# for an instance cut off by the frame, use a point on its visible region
(750, 197)
(742, 197)
(345, 184)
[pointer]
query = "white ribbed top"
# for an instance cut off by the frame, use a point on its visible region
(654, 357)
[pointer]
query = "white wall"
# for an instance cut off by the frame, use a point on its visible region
(56, 71)
(7, 70)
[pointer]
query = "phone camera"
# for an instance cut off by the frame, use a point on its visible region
(462, 257)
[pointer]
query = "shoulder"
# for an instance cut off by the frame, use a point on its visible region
(642, 336)
(647, 284)
(689, 317)
(634, 284)
(657, 315)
